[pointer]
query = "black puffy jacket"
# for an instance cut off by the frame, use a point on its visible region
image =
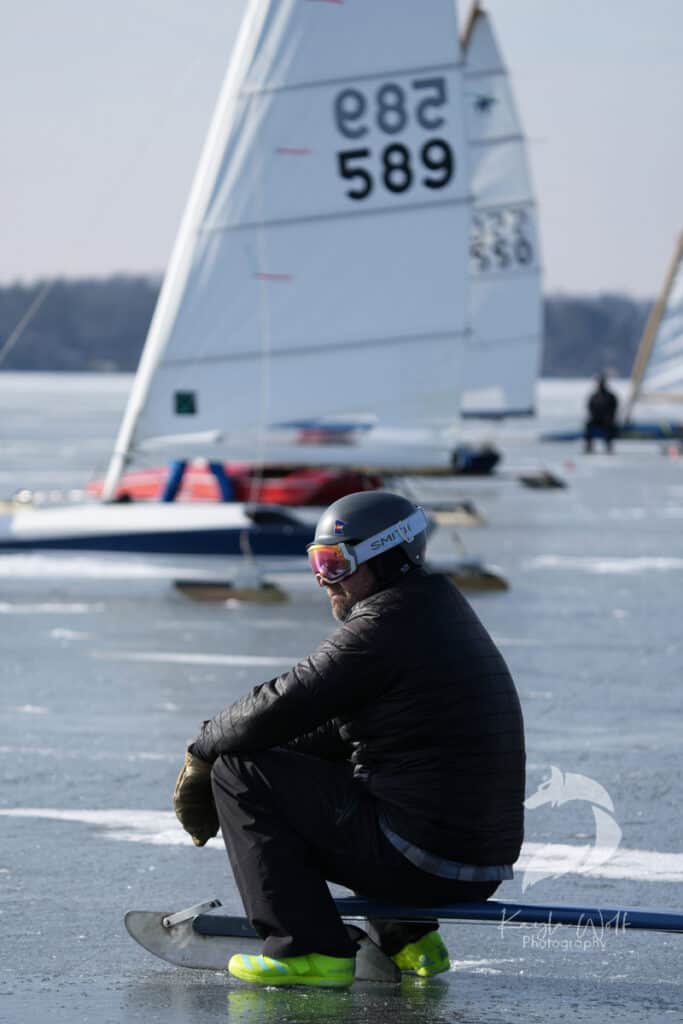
(412, 688)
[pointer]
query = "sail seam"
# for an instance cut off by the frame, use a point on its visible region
(336, 215)
(483, 73)
(504, 204)
(408, 339)
(478, 340)
(488, 275)
(497, 139)
(368, 76)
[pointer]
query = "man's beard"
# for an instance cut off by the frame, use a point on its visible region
(341, 607)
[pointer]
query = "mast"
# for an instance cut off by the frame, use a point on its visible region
(651, 328)
(476, 11)
(180, 263)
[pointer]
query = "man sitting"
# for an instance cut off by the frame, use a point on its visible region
(390, 760)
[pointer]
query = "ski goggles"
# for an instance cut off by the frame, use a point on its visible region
(333, 562)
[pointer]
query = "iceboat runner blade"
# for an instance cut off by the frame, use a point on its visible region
(173, 938)
(181, 945)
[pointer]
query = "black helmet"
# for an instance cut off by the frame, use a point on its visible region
(384, 520)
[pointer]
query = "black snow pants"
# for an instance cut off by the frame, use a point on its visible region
(292, 822)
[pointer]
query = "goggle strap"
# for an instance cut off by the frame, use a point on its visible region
(402, 532)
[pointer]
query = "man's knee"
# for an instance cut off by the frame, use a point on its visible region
(227, 773)
(235, 773)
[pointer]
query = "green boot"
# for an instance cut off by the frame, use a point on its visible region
(313, 969)
(425, 957)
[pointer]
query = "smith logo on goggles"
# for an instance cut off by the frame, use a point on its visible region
(332, 563)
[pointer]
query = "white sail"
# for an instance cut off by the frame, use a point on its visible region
(658, 369)
(321, 265)
(503, 351)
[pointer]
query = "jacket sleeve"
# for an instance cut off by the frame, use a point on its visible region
(324, 742)
(342, 674)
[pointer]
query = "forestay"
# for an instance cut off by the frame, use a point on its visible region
(320, 268)
(503, 352)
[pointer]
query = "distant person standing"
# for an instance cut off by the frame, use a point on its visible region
(602, 415)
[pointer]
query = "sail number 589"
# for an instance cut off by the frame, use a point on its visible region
(392, 107)
(396, 167)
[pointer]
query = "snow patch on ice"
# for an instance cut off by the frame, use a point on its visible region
(160, 828)
(183, 658)
(605, 564)
(49, 608)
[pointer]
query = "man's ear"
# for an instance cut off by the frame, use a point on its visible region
(372, 576)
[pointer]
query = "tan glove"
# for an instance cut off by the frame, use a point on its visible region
(193, 800)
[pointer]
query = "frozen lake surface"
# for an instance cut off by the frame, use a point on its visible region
(106, 673)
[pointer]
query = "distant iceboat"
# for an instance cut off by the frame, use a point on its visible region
(503, 350)
(657, 375)
(245, 482)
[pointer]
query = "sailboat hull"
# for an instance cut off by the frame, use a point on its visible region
(278, 485)
(157, 529)
(662, 430)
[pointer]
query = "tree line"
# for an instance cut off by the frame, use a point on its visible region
(100, 325)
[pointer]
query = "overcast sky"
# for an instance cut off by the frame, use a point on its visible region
(105, 104)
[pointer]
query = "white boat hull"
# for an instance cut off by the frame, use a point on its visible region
(226, 530)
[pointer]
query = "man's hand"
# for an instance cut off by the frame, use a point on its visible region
(193, 800)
